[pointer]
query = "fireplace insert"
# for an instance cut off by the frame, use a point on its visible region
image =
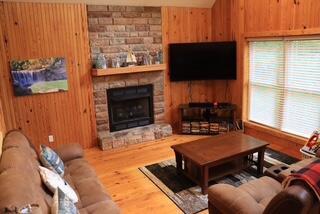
(130, 107)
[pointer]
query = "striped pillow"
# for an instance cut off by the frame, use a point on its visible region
(62, 203)
(51, 160)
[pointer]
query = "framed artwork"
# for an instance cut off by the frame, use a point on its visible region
(39, 76)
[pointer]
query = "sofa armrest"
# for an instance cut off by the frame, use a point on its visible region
(295, 199)
(228, 199)
(69, 152)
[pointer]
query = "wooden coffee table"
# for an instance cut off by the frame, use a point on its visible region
(213, 157)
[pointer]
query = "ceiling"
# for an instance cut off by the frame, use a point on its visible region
(176, 3)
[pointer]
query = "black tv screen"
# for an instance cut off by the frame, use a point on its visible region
(203, 61)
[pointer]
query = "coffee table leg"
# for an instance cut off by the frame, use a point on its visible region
(204, 179)
(260, 162)
(178, 162)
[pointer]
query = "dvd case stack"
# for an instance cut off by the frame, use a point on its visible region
(214, 128)
(186, 127)
(195, 127)
(204, 127)
(223, 127)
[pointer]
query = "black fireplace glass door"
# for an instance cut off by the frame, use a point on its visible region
(130, 110)
(130, 107)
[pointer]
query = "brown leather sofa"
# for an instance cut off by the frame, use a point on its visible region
(20, 181)
(264, 195)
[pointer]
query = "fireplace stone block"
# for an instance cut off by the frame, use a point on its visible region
(112, 140)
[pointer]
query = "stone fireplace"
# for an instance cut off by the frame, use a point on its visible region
(138, 113)
(130, 107)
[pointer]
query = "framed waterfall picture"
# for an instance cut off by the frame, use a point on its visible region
(39, 76)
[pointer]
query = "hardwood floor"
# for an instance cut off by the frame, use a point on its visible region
(129, 188)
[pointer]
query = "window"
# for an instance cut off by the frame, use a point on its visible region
(284, 85)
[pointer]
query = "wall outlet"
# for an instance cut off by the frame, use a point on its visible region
(51, 139)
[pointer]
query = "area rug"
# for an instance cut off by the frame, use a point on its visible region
(187, 195)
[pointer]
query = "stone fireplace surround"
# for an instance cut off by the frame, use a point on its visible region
(110, 140)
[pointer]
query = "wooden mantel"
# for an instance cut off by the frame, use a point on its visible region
(128, 70)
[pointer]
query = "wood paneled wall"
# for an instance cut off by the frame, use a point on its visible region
(185, 25)
(240, 19)
(3, 128)
(227, 26)
(39, 30)
(273, 15)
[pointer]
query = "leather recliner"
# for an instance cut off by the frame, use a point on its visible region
(263, 196)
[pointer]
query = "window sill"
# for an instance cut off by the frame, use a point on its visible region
(274, 133)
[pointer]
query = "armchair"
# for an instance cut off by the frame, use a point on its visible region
(264, 196)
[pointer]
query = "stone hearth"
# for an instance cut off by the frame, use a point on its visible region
(110, 140)
(134, 136)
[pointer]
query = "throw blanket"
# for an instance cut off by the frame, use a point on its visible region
(310, 174)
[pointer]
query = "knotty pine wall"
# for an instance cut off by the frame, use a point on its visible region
(244, 19)
(37, 30)
(276, 15)
(188, 25)
(227, 25)
(2, 127)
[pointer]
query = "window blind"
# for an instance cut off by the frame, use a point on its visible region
(284, 85)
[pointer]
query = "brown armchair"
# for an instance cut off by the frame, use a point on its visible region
(265, 196)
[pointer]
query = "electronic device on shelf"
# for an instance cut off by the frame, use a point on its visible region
(224, 105)
(201, 105)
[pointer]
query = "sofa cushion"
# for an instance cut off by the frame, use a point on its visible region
(51, 160)
(18, 158)
(18, 190)
(18, 140)
(90, 191)
(70, 151)
(228, 198)
(79, 169)
(262, 188)
(102, 207)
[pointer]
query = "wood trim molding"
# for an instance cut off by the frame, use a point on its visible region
(147, 3)
(274, 133)
(282, 33)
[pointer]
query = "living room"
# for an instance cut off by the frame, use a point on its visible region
(159, 106)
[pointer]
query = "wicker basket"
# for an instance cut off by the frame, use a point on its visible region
(306, 155)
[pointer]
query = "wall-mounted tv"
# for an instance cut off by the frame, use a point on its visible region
(203, 61)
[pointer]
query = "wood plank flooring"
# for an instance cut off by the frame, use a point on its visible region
(129, 188)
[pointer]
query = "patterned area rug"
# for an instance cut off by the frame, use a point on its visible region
(187, 195)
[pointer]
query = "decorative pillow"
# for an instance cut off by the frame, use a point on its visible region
(51, 160)
(52, 180)
(62, 203)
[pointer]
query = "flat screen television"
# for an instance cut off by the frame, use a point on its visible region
(203, 61)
